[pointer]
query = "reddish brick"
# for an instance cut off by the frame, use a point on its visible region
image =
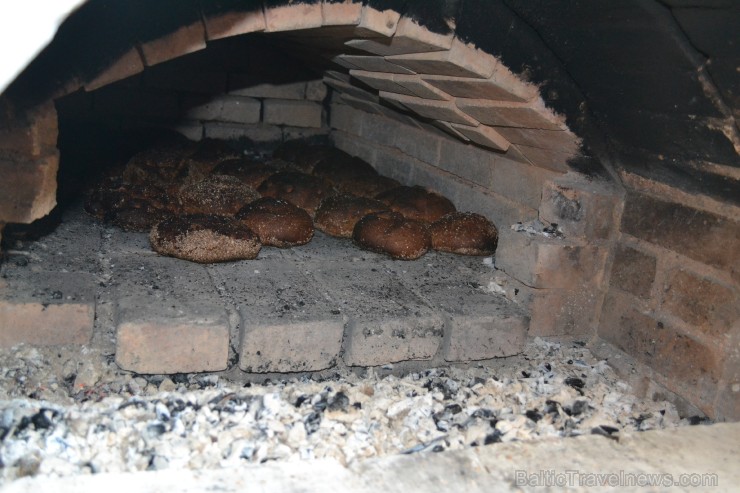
(377, 22)
(341, 13)
(130, 63)
(293, 17)
(32, 136)
(701, 302)
(185, 40)
(234, 23)
(687, 364)
(29, 189)
(633, 271)
(705, 237)
(32, 313)
(581, 208)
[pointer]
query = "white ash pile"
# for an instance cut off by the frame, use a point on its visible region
(551, 390)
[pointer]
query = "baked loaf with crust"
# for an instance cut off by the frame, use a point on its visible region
(217, 195)
(277, 222)
(417, 203)
(338, 214)
(464, 233)
(392, 234)
(205, 239)
(300, 189)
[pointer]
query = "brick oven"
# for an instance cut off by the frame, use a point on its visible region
(601, 138)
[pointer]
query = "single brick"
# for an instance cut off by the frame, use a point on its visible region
(667, 224)
(387, 322)
(461, 60)
(683, 360)
(252, 86)
(509, 114)
(701, 302)
(230, 109)
(185, 40)
(633, 271)
(191, 130)
(166, 322)
(432, 109)
(303, 133)
(234, 23)
(47, 309)
(410, 37)
(486, 89)
(130, 63)
(287, 324)
(231, 131)
(29, 189)
(30, 138)
(293, 17)
(293, 113)
(581, 208)
(375, 22)
(558, 140)
(483, 135)
(370, 64)
(346, 13)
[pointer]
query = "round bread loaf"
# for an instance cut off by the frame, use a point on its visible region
(338, 214)
(136, 215)
(250, 172)
(392, 234)
(218, 195)
(113, 195)
(305, 156)
(341, 167)
(277, 222)
(464, 233)
(300, 189)
(365, 186)
(154, 166)
(205, 239)
(417, 203)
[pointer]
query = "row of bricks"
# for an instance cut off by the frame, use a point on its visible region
(365, 21)
(300, 317)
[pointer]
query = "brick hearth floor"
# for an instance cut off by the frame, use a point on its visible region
(303, 309)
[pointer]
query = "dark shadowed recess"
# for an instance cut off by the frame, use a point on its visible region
(652, 85)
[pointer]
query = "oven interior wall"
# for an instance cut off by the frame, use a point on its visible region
(648, 263)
